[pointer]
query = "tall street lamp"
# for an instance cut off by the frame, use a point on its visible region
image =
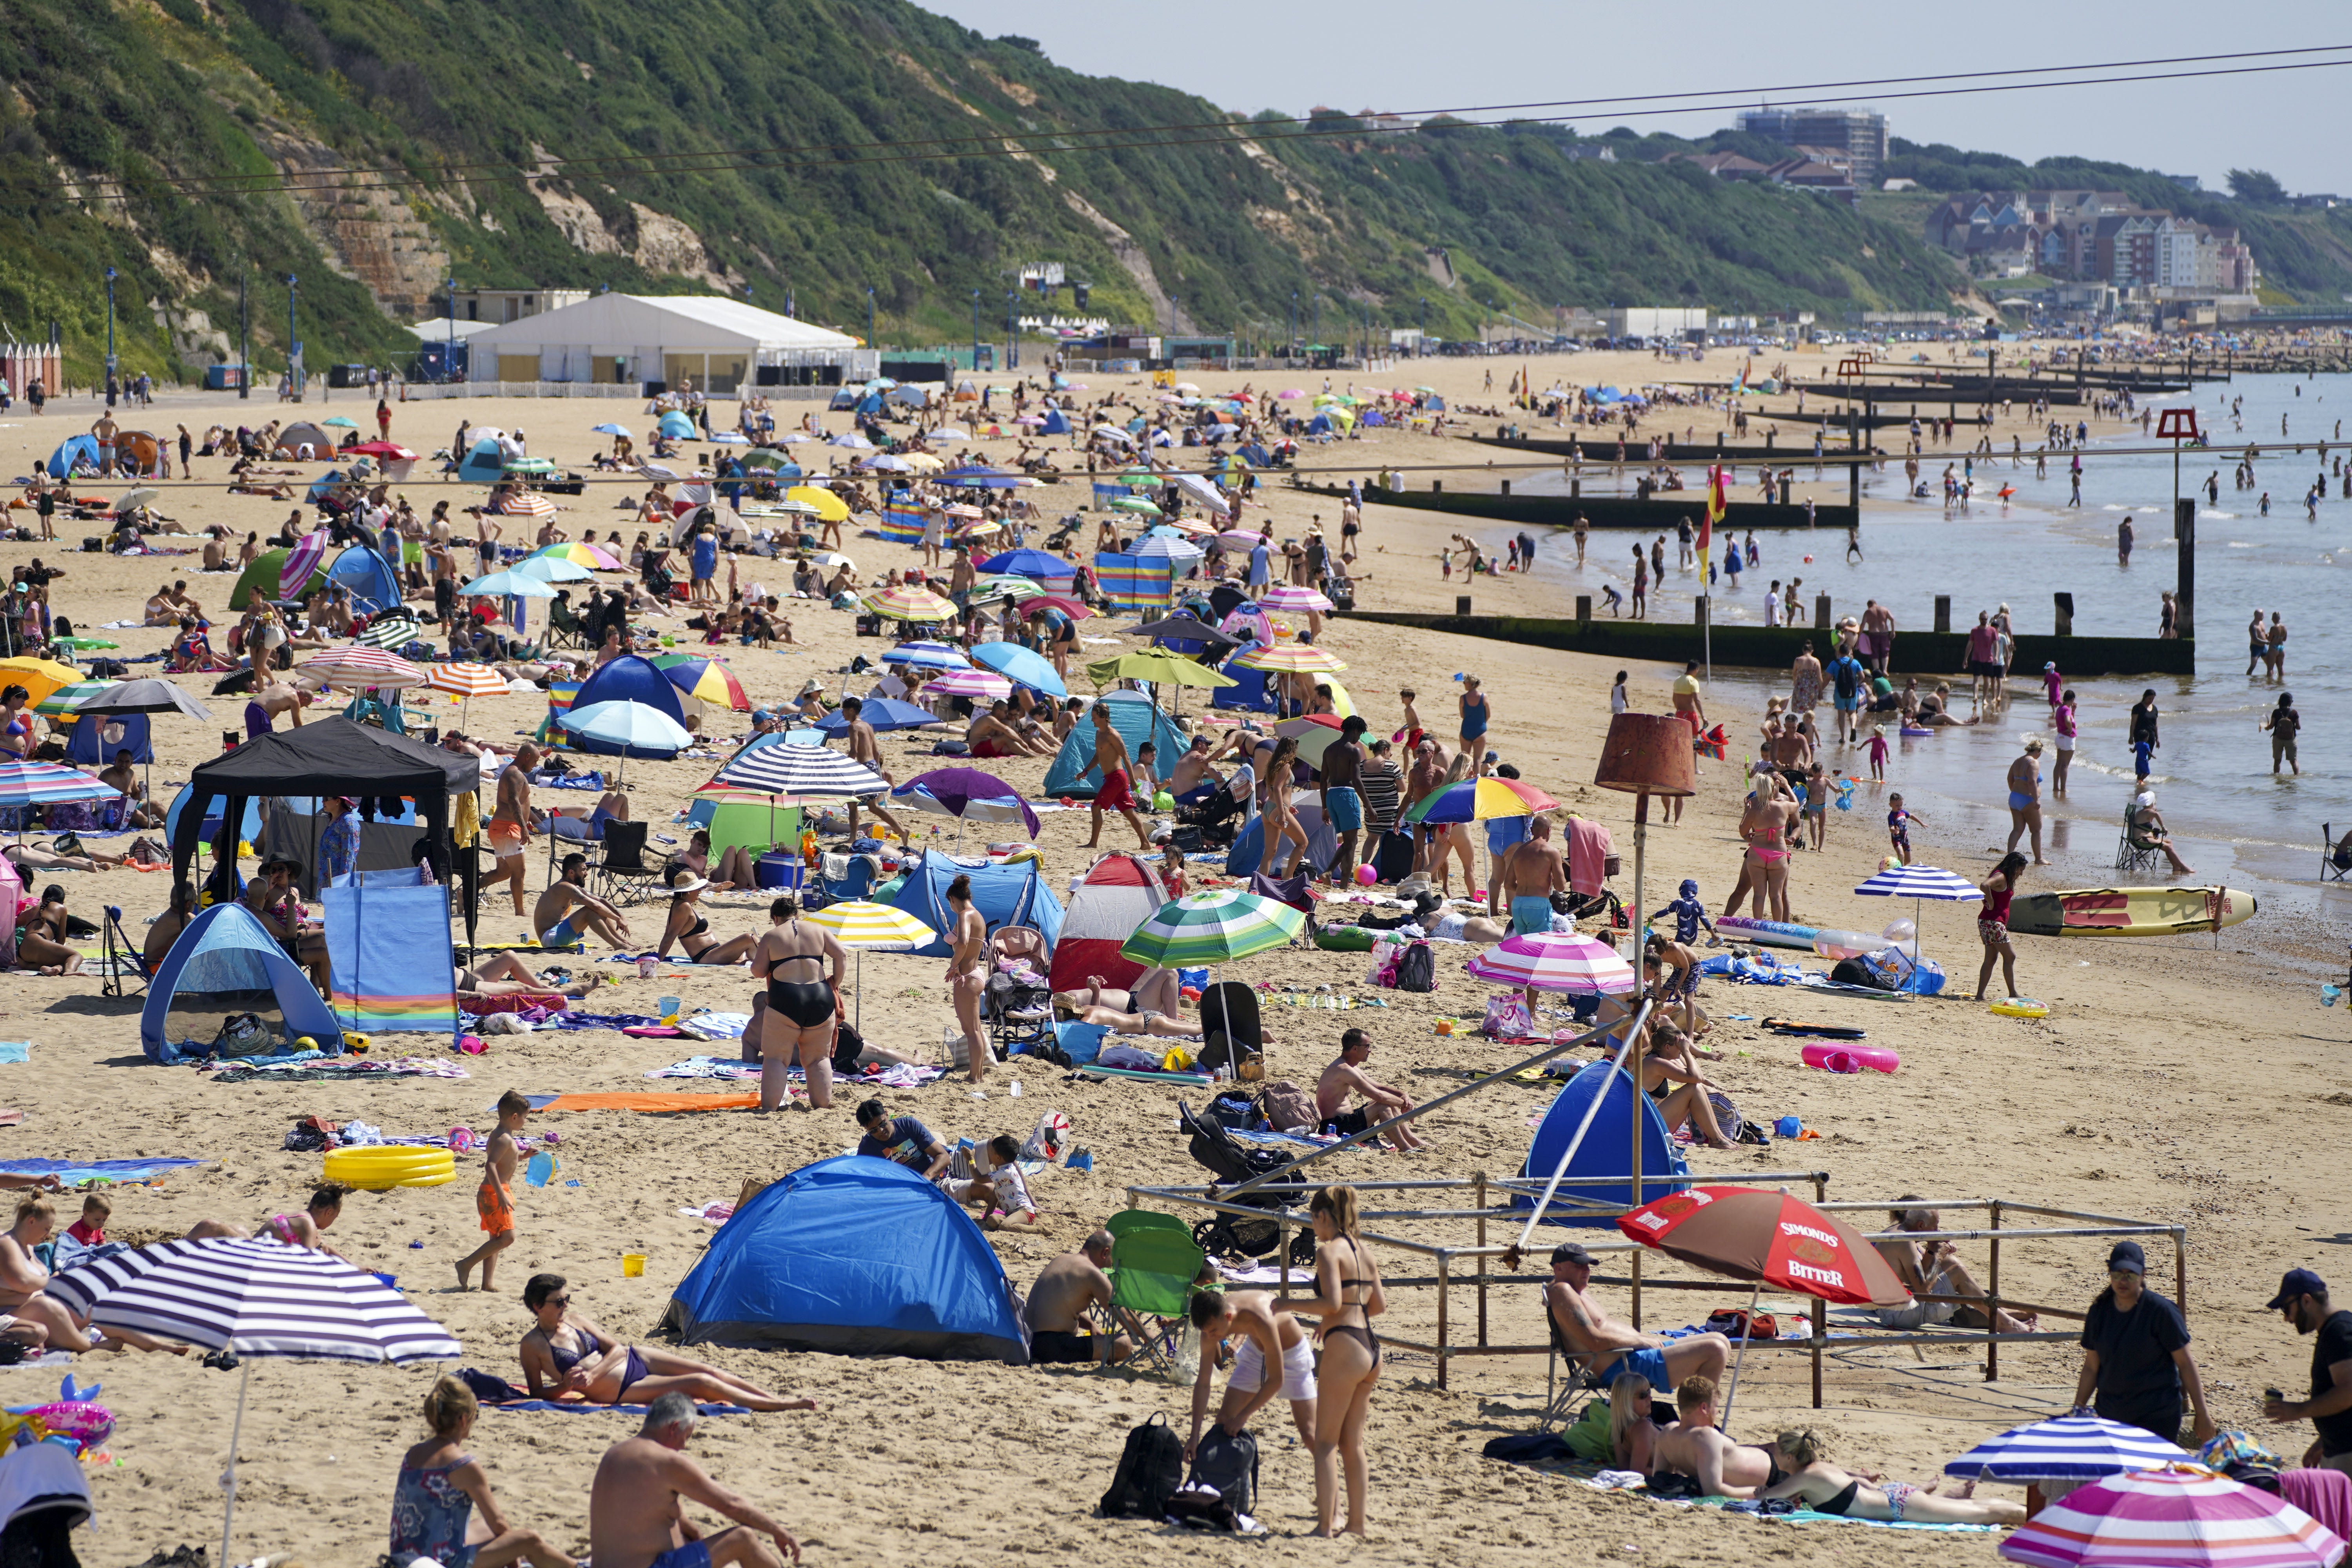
(293, 344)
(109, 326)
(975, 330)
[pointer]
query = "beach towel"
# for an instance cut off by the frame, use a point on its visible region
(73, 1173)
(15, 1050)
(497, 1394)
(320, 1070)
(651, 1104)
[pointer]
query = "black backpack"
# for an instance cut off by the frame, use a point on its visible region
(1230, 1465)
(1148, 1472)
(1416, 971)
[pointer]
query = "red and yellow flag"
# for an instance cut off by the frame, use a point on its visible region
(1717, 503)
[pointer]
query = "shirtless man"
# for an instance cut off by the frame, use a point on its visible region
(1110, 762)
(991, 736)
(510, 827)
(1343, 802)
(504, 975)
(1271, 1342)
(1526, 878)
(566, 911)
(1346, 1076)
(634, 1518)
(1191, 768)
(862, 748)
(1693, 1446)
(967, 974)
(137, 812)
(1067, 1289)
(1611, 1348)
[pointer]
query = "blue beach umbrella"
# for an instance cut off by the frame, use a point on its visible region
(1028, 564)
(1021, 666)
(677, 425)
(881, 713)
(927, 656)
(620, 430)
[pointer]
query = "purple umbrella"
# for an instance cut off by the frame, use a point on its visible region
(959, 790)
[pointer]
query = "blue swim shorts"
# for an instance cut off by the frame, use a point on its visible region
(1531, 913)
(1650, 1365)
(1345, 808)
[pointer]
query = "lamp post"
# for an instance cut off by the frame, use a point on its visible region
(975, 330)
(1012, 329)
(293, 346)
(1290, 345)
(1421, 339)
(869, 316)
(109, 324)
(244, 354)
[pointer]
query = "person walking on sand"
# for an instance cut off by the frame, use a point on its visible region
(2284, 723)
(1476, 712)
(510, 827)
(1992, 924)
(2062, 723)
(967, 974)
(1115, 792)
(803, 1007)
(494, 1201)
(2026, 797)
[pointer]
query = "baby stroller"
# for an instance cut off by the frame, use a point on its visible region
(1019, 1017)
(1230, 1159)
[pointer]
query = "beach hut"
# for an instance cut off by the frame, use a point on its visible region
(227, 955)
(1608, 1146)
(1013, 894)
(852, 1256)
(1137, 718)
(1119, 895)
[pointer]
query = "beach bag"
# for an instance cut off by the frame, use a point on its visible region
(1230, 1465)
(1048, 1139)
(1735, 1323)
(243, 1034)
(1286, 1109)
(1150, 1468)
(1232, 1109)
(1416, 970)
(1507, 1017)
(1857, 971)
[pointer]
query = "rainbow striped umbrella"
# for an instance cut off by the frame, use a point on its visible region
(593, 557)
(1289, 660)
(2175, 1519)
(1214, 927)
(363, 667)
(909, 602)
(46, 784)
(1475, 800)
(704, 680)
(1546, 960)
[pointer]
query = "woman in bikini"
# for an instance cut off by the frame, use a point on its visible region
(1348, 1296)
(1280, 823)
(442, 1505)
(1633, 1435)
(688, 929)
(41, 936)
(801, 1010)
(567, 1358)
(736, 870)
(1825, 1489)
(967, 973)
(1764, 824)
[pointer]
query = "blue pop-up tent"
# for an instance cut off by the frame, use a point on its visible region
(1056, 422)
(1250, 690)
(227, 950)
(852, 1256)
(1136, 718)
(72, 450)
(1013, 894)
(1607, 1148)
(628, 679)
(367, 576)
(484, 464)
(89, 747)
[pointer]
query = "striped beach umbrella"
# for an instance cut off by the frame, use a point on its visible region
(65, 698)
(362, 667)
(1920, 883)
(37, 676)
(1565, 961)
(2069, 1448)
(527, 503)
(252, 1298)
(47, 783)
(704, 680)
(986, 685)
(1004, 586)
(779, 767)
(466, 680)
(862, 925)
(1290, 596)
(1214, 927)
(1477, 800)
(1289, 660)
(909, 603)
(927, 656)
(389, 630)
(294, 570)
(1161, 548)
(593, 557)
(2176, 1518)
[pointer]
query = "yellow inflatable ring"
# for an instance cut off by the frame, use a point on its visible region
(2019, 1007)
(374, 1169)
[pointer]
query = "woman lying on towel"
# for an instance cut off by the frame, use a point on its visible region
(1825, 1489)
(569, 1359)
(501, 974)
(1155, 1002)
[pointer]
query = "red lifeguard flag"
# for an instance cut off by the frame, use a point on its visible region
(1716, 502)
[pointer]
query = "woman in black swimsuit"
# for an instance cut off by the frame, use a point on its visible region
(799, 1019)
(1347, 1298)
(567, 1357)
(688, 929)
(1825, 1489)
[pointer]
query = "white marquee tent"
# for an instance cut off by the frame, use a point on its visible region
(718, 344)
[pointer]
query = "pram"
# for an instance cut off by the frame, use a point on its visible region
(1231, 1160)
(1019, 1017)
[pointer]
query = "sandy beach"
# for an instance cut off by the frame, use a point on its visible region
(2177, 1081)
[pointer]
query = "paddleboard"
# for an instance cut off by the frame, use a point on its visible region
(2128, 912)
(1767, 933)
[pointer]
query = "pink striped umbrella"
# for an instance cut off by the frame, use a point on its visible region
(1290, 596)
(2182, 1518)
(1549, 961)
(981, 683)
(300, 561)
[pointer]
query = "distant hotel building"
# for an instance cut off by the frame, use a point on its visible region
(1860, 133)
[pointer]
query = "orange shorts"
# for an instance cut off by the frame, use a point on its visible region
(490, 1202)
(506, 839)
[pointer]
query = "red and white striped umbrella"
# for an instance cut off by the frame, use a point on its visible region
(1555, 961)
(1289, 658)
(527, 503)
(981, 683)
(362, 667)
(468, 680)
(2172, 1519)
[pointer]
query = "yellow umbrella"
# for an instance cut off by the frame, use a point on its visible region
(1144, 664)
(1342, 705)
(923, 463)
(830, 508)
(38, 677)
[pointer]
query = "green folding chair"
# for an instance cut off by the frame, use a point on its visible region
(1153, 1262)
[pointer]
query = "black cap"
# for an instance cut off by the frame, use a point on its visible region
(2297, 1282)
(1571, 1252)
(2127, 1254)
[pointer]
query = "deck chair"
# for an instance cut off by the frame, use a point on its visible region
(564, 626)
(121, 954)
(623, 875)
(2131, 856)
(1230, 1032)
(1569, 1383)
(2333, 868)
(1153, 1262)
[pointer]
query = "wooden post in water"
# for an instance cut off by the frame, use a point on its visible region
(1943, 613)
(1583, 609)
(2184, 532)
(1820, 612)
(2062, 605)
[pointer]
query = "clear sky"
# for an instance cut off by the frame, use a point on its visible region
(1402, 54)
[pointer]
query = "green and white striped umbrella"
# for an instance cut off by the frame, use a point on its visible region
(1214, 927)
(65, 698)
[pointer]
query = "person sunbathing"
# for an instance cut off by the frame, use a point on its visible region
(567, 1358)
(35, 857)
(1695, 1445)
(42, 937)
(24, 1299)
(1156, 991)
(1825, 1489)
(736, 869)
(1934, 1268)
(504, 975)
(2147, 831)
(688, 928)
(1148, 1021)
(442, 1506)
(1668, 1060)
(305, 1230)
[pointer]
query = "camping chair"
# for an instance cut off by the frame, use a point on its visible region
(2132, 856)
(120, 953)
(1230, 1031)
(2331, 867)
(564, 626)
(856, 881)
(623, 875)
(1569, 1383)
(1153, 1262)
